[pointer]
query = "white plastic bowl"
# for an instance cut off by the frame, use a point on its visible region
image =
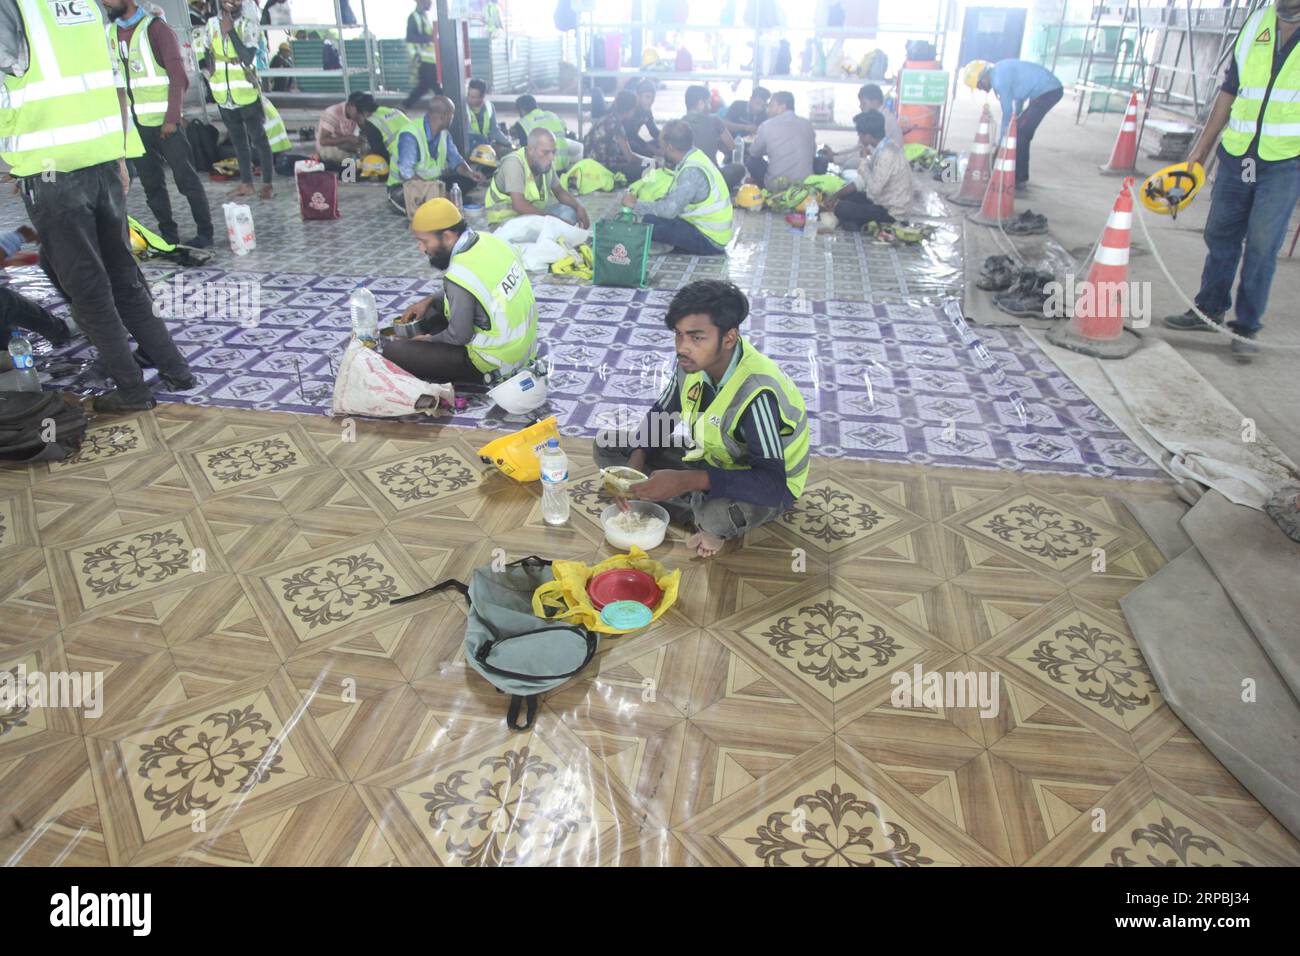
(645, 540)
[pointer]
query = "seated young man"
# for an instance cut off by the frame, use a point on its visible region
(739, 456)
(884, 192)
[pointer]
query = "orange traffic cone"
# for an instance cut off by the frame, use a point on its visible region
(978, 167)
(1000, 198)
(1123, 158)
(1097, 326)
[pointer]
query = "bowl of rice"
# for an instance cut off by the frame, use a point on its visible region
(643, 525)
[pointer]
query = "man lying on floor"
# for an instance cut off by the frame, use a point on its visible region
(741, 454)
(485, 323)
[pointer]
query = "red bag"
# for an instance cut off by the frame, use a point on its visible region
(318, 195)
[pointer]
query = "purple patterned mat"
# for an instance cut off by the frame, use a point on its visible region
(882, 382)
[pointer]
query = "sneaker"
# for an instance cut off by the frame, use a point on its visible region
(179, 383)
(1244, 350)
(113, 403)
(999, 280)
(200, 242)
(1189, 321)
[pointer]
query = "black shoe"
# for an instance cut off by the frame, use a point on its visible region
(1189, 321)
(113, 403)
(182, 383)
(1244, 350)
(200, 242)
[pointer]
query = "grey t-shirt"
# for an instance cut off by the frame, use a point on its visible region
(707, 130)
(512, 176)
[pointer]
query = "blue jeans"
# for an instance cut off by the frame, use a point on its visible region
(1257, 214)
(682, 236)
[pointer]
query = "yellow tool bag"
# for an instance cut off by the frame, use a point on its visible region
(565, 598)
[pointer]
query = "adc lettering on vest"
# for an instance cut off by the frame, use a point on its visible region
(511, 284)
(70, 12)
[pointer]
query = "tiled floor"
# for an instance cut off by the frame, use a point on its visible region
(229, 573)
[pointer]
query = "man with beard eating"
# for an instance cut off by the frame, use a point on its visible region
(484, 325)
(525, 184)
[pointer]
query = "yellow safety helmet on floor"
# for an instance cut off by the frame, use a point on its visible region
(374, 166)
(516, 455)
(484, 155)
(1168, 191)
(138, 245)
(972, 71)
(750, 196)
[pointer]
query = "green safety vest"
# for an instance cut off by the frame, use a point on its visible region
(1279, 131)
(491, 272)
(712, 215)
(390, 122)
(63, 114)
(428, 165)
(423, 52)
(483, 127)
(547, 120)
(499, 207)
(274, 126)
(146, 78)
(229, 83)
(714, 428)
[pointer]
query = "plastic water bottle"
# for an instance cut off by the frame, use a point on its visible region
(20, 350)
(365, 317)
(738, 152)
(457, 197)
(555, 481)
(810, 214)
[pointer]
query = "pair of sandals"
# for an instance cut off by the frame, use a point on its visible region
(1028, 223)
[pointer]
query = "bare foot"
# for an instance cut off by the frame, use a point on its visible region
(242, 190)
(704, 544)
(267, 193)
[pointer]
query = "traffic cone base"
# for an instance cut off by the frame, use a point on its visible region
(978, 166)
(1000, 198)
(1123, 158)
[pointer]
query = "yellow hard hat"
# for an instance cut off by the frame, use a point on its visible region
(1168, 191)
(749, 196)
(971, 72)
(138, 245)
(374, 166)
(516, 455)
(650, 56)
(484, 155)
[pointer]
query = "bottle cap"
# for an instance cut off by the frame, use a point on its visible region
(550, 443)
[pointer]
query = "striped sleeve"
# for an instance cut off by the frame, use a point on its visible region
(764, 481)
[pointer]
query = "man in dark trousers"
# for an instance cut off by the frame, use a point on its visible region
(149, 59)
(422, 44)
(66, 118)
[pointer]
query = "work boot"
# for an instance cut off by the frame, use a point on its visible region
(1189, 321)
(200, 242)
(113, 403)
(1244, 350)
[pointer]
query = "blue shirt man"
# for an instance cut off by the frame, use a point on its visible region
(1028, 91)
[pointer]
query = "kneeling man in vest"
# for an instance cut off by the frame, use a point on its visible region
(726, 446)
(485, 323)
(695, 215)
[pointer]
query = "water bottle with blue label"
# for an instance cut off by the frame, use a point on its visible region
(20, 350)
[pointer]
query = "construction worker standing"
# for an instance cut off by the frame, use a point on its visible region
(63, 129)
(422, 45)
(1255, 188)
(149, 58)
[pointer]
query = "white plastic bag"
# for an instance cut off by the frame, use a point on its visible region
(307, 166)
(369, 384)
(541, 240)
(239, 227)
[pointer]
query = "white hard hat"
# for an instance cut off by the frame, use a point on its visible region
(520, 393)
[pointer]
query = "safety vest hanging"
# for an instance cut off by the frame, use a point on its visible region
(713, 429)
(712, 215)
(273, 123)
(147, 83)
(1279, 126)
(491, 272)
(63, 114)
(499, 207)
(230, 83)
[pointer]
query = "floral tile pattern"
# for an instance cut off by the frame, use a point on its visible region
(419, 479)
(133, 564)
(1161, 836)
(249, 461)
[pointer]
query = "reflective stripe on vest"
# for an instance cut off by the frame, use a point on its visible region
(713, 215)
(390, 122)
(229, 83)
(274, 126)
(499, 207)
(147, 83)
(714, 428)
(1279, 127)
(423, 52)
(491, 271)
(63, 114)
(544, 119)
(427, 165)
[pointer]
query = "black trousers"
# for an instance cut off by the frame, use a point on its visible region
(1027, 125)
(856, 209)
(174, 151)
(248, 132)
(19, 312)
(81, 218)
(436, 362)
(375, 141)
(426, 81)
(757, 167)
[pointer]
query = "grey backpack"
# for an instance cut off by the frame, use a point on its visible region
(518, 652)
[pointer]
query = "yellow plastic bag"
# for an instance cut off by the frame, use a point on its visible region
(565, 598)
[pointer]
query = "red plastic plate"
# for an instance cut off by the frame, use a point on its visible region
(623, 584)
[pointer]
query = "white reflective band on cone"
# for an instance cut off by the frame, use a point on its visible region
(1120, 220)
(1128, 127)
(1005, 166)
(1107, 256)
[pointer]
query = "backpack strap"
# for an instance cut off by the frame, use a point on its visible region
(437, 588)
(512, 715)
